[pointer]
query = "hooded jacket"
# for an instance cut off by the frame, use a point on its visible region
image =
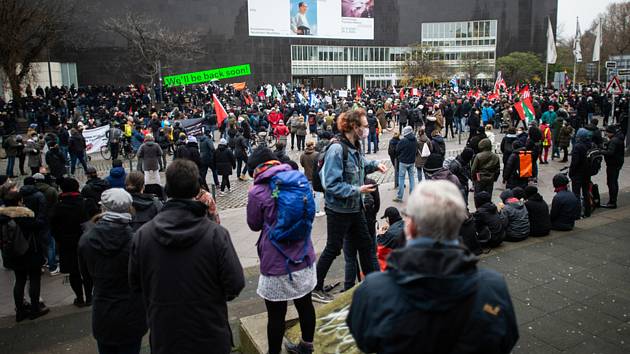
(190, 151)
(150, 153)
(65, 225)
(261, 213)
(34, 256)
(487, 216)
(578, 169)
(206, 149)
(538, 212)
(224, 160)
(307, 160)
(614, 152)
(35, 201)
(56, 162)
(511, 172)
(116, 178)
(565, 209)
(433, 299)
(406, 149)
(146, 207)
(518, 221)
(118, 315)
(506, 146)
(92, 191)
(186, 269)
(486, 166)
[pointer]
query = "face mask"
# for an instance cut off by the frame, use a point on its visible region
(365, 132)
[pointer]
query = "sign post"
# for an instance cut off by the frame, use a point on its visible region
(614, 88)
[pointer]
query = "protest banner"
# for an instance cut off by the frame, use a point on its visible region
(207, 75)
(95, 139)
(192, 127)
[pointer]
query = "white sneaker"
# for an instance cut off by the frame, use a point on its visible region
(320, 213)
(221, 194)
(55, 271)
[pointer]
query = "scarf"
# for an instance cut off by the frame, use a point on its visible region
(120, 218)
(265, 166)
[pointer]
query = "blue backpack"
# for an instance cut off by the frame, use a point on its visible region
(295, 211)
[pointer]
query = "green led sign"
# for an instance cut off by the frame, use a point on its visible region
(207, 75)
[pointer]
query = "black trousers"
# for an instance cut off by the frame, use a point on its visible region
(580, 185)
(114, 148)
(276, 313)
(225, 182)
(301, 139)
(612, 180)
(79, 284)
(340, 226)
(34, 276)
(484, 186)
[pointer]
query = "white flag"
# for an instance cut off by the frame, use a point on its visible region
(551, 45)
(598, 41)
(577, 47)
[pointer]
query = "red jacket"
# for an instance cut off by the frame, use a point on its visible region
(274, 119)
(281, 130)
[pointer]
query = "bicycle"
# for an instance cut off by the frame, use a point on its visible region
(126, 151)
(263, 139)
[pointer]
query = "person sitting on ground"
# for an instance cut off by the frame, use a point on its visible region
(565, 206)
(516, 214)
(538, 211)
(391, 236)
(460, 167)
(433, 288)
(146, 206)
(117, 175)
(489, 222)
(94, 187)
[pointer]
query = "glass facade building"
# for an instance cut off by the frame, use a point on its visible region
(455, 29)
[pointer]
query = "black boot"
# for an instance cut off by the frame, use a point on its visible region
(39, 311)
(301, 348)
(22, 313)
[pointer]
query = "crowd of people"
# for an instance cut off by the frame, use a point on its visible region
(151, 255)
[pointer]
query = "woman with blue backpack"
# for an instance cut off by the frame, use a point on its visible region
(280, 205)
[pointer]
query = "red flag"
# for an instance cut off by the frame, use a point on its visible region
(477, 94)
(525, 94)
(359, 92)
(469, 94)
(493, 96)
(402, 93)
(525, 110)
(219, 110)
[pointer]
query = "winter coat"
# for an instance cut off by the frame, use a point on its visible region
(372, 123)
(406, 149)
(150, 153)
(118, 315)
(34, 256)
(487, 216)
(56, 162)
(240, 147)
(300, 128)
(511, 170)
(190, 151)
(518, 221)
(579, 169)
(65, 224)
(77, 144)
(307, 161)
(486, 166)
(429, 292)
(146, 207)
(32, 150)
(422, 140)
(206, 148)
(538, 212)
(224, 160)
(36, 201)
(564, 137)
(506, 146)
(11, 146)
(50, 194)
(186, 268)
(614, 152)
(565, 209)
(438, 141)
(92, 191)
(391, 148)
(261, 212)
(116, 178)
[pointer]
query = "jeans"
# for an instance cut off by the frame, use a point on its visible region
(319, 197)
(52, 252)
(458, 123)
(128, 348)
(590, 117)
(73, 162)
(241, 162)
(64, 151)
(405, 168)
(612, 180)
(341, 226)
(372, 142)
(420, 171)
(10, 165)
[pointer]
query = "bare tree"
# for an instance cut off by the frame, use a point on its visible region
(616, 29)
(420, 65)
(152, 46)
(27, 28)
(472, 67)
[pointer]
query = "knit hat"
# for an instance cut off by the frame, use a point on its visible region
(434, 162)
(407, 130)
(560, 180)
(518, 193)
(68, 185)
(530, 191)
(467, 154)
(505, 195)
(482, 198)
(192, 139)
(259, 156)
(39, 177)
(116, 200)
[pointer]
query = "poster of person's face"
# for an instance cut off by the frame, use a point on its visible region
(357, 8)
(304, 17)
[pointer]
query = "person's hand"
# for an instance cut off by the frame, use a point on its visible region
(500, 205)
(384, 228)
(367, 188)
(382, 168)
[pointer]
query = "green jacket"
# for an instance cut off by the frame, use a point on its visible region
(486, 167)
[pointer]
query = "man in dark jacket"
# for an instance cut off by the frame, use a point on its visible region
(579, 170)
(77, 150)
(94, 187)
(390, 237)
(512, 170)
(486, 167)
(190, 151)
(565, 206)
(538, 211)
(433, 288)
(372, 144)
(614, 156)
(406, 155)
(118, 316)
(56, 161)
(488, 221)
(206, 148)
(186, 268)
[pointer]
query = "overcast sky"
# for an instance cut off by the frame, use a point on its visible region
(586, 10)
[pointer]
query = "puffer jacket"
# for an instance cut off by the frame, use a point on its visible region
(487, 216)
(538, 211)
(486, 166)
(518, 221)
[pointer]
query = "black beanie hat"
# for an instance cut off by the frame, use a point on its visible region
(482, 198)
(260, 155)
(530, 191)
(505, 195)
(518, 193)
(467, 154)
(68, 185)
(560, 180)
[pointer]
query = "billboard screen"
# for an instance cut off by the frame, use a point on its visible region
(338, 19)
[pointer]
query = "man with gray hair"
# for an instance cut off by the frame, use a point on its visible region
(433, 298)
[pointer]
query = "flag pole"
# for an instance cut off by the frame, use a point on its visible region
(574, 71)
(546, 74)
(547, 60)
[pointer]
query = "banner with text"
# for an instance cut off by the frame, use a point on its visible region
(207, 75)
(95, 139)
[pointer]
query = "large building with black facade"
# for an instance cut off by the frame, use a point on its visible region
(456, 29)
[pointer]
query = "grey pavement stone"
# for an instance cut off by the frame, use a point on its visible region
(555, 332)
(619, 336)
(528, 343)
(542, 298)
(587, 318)
(615, 305)
(595, 345)
(571, 289)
